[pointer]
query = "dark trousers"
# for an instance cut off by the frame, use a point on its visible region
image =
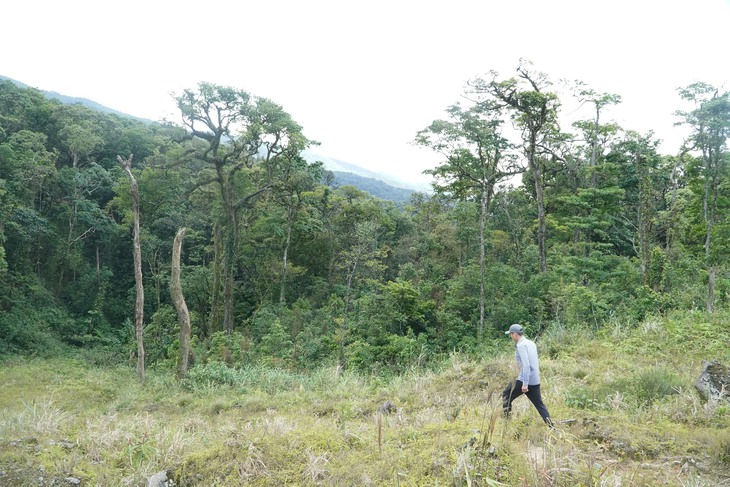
(514, 390)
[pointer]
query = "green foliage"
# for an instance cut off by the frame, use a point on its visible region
(656, 270)
(581, 305)
(582, 398)
(387, 286)
(217, 374)
(392, 353)
(3, 262)
(139, 451)
(28, 330)
(277, 343)
(227, 348)
(646, 301)
(161, 336)
(452, 333)
(30, 320)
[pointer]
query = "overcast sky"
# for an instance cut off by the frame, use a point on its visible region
(363, 77)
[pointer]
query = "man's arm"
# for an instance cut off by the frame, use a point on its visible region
(525, 362)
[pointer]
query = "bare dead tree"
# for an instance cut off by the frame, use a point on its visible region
(139, 285)
(179, 301)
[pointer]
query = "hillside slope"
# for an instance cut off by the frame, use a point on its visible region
(71, 100)
(630, 416)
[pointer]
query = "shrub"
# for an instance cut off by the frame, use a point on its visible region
(277, 343)
(654, 384)
(210, 374)
(24, 329)
(228, 348)
(392, 352)
(646, 302)
(581, 304)
(159, 334)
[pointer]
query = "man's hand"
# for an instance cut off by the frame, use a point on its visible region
(524, 388)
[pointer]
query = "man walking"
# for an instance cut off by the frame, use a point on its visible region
(528, 380)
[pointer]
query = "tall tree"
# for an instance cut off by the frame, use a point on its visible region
(584, 194)
(295, 180)
(476, 160)
(358, 226)
(246, 140)
(27, 176)
(642, 178)
(360, 256)
(595, 134)
(535, 111)
(710, 125)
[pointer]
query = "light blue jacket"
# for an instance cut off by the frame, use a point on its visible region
(526, 355)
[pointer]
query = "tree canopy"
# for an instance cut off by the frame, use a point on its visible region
(280, 266)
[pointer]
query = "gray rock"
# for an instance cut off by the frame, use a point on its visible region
(73, 480)
(387, 407)
(714, 381)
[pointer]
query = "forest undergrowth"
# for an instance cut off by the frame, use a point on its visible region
(623, 396)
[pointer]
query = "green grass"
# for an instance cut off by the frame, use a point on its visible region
(629, 390)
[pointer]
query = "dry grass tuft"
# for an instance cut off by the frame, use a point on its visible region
(316, 469)
(35, 418)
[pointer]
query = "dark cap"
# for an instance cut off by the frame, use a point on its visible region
(514, 329)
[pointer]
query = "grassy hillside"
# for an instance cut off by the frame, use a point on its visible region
(635, 419)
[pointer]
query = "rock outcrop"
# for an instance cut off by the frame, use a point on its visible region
(714, 381)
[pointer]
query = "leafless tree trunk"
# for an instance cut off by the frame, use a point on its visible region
(139, 286)
(179, 301)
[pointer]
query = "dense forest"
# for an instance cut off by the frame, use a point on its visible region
(530, 221)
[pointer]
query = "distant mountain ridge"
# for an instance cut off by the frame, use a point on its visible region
(377, 184)
(71, 100)
(337, 165)
(375, 187)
